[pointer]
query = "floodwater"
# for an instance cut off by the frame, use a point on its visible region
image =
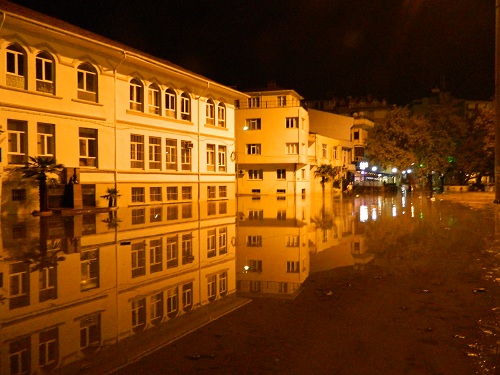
(76, 289)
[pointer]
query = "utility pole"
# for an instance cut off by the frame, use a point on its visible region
(497, 102)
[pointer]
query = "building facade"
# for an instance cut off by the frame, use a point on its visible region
(115, 117)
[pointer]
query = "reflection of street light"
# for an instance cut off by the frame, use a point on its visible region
(394, 170)
(374, 169)
(246, 268)
(245, 127)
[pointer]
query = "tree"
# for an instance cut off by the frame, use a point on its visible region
(112, 196)
(327, 173)
(41, 169)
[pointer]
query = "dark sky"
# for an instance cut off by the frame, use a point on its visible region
(393, 49)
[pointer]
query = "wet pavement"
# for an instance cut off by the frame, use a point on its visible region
(340, 285)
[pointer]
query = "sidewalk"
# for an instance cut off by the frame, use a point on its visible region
(133, 348)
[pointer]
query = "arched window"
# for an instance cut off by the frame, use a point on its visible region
(221, 115)
(154, 99)
(185, 107)
(16, 67)
(45, 73)
(136, 95)
(210, 112)
(170, 103)
(87, 82)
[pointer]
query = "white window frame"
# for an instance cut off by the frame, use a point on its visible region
(254, 149)
(292, 148)
(221, 158)
(137, 151)
(154, 102)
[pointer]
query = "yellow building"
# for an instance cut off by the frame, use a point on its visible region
(272, 130)
(115, 117)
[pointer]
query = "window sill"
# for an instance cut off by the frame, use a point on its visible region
(86, 102)
(30, 92)
(215, 127)
(157, 117)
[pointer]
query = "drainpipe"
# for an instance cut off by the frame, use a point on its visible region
(115, 70)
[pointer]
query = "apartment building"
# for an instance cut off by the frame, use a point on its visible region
(114, 116)
(272, 130)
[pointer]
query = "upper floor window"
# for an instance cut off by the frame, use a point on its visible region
(292, 122)
(221, 115)
(136, 151)
(186, 155)
(154, 153)
(210, 112)
(16, 67)
(154, 99)
(44, 73)
(324, 151)
(171, 154)
(292, 148)
(170, 103)
(185, 107)
(252, 124)
(136, 95)
(253, 149)
(221, 157)
(254, 102)
(87, 82)
(210, 157)
(281, 101)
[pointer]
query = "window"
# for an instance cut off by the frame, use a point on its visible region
(185, 107)
(212, 287)
(172, 302)
(281, 174)
(136, 151)
(48, 348)
(211, 208)
(187, 193)
(154, 99)
(292, 148)
(324, 151)
(138, 259)
(89, 264)
(253, 149)
(303, 170)
(292, 267)
(210, 112)
(90, 331)
(252, 124)
(155, 214)
(222, 208)
(155, 194)
(44, 73)
(171, 154)
(356, 135)
(87, 82)
(172, 251)
(222, 158)
(336, 152)
(45, 139)
(156, 308)
(187, 248)
(172, 212)
(16, 67)
(223, 283)
(187, 211)
(255, 174)
(138, 216)
(47, 284)
(281, 215)
(223, 240)
(254, 241)
(135, 95)
(138, 314)
(281, 191)
(18, 141)
(222, 191)
(211, 243)
(154, 153)
(292, 241)
(172, 193)
(18, 195)
(138, 195)
(20, 356)
(221, 115)
(187, 296)
(88, 147)
(186, 155)
(255, 214)
(254, 102)
(292, 122)
(19, 285)
(170, 103)
(210, 157)
(254, 265)
(281, 101)
(211, 192)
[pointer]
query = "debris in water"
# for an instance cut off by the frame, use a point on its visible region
(479, 290)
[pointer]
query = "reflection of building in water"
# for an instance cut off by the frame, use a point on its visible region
(94, 284)
(273, 255)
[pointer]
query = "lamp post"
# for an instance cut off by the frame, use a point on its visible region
(497, 101)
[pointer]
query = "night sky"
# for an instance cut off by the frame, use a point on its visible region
(393, 49)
